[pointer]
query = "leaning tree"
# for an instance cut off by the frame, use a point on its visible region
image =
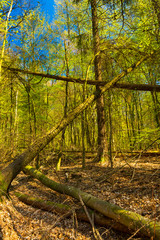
(19, 162)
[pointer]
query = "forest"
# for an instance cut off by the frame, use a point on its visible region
(80, 120)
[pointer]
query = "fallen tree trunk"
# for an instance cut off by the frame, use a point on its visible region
(20, 161)
(128, 86)
(67, 211)
(131, 220)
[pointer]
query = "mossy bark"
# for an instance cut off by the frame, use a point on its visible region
(68, 210)
(42, 204)
(131, 220)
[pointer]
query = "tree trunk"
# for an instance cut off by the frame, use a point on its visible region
(66, 48)
(131, 220)
(156, 107)
(128, 86)
(98, 77)
(110, 150)
(67, 211)
(20, 161)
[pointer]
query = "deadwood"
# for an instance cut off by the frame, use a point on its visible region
(68, 210)
(19, 162)
(139, 87)
(131, 220)
(128, 86)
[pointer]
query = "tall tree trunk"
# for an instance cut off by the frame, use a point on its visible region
(29, 111)
(19, 162)
(110, 129)
(66, 48)
(83, 125)
(127, 123)
(98, 77)
(16, 120)
(83, 132)
(11, 113)
(132, 122)
(156, 108)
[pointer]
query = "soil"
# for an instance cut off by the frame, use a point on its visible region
(133, 184)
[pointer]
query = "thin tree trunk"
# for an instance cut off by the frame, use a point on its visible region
(29, 110)
(132, 122)
(16, 133)
(136, 101)
(11, 114)
(110, 129)
(83, 133)
(66, 89)
(83, 125)
(156, 108)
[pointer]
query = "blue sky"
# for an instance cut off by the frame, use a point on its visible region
(48, 6)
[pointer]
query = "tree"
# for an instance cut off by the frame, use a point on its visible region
(98, 77)
(5, 35)
(20, 161)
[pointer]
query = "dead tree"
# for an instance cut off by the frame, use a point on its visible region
(128, 86)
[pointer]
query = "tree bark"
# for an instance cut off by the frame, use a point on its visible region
(131, 220)
(20, 161)
(66, 48)
(98, 77)
(5, 38)
(128, 86)
(68, 210)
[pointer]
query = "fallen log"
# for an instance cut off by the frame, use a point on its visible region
(68, 210)
(131, 220)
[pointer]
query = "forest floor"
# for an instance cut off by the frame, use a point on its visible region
(133, 184)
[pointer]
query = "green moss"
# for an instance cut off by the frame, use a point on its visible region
(25, 198)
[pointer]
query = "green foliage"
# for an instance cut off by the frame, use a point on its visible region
(30, 106)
